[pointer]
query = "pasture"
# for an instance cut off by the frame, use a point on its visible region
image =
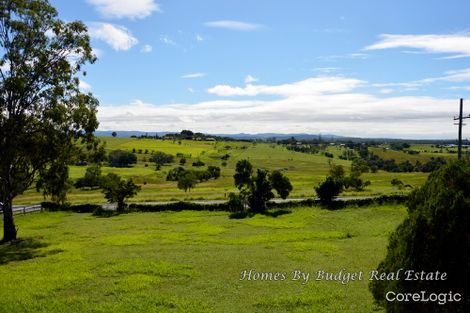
(191, 261)
(304, 170)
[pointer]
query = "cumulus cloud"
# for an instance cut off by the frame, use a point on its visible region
(336, 107)
(125, 8)
(458, 45)
(118, 37)
(233, 25)
(194, 75)
(310, 86)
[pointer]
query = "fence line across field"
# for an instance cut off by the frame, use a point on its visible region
(23, 209)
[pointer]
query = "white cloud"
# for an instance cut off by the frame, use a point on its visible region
(456, 44)
(455, 76)
(166, 40)
(199, 38)
(118, 37)
(315, 105)
(146, 49)
(250, 79)
(310, 86)
(125, 8)
(194, 75)
(351, 114)
(233, 25)
(84, 86)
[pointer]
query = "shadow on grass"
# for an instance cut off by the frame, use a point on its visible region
(23, 249)
(106, 213)
(245, 214)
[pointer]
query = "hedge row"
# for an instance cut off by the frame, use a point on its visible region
(189, 206)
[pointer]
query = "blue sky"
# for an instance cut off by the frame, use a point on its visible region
(354, 68)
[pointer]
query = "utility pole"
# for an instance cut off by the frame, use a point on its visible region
(460, 119)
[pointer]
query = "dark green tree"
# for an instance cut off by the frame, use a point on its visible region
(92, 178)
(187, 181)
(328, 189)
(281, 184)
(434, 237)
(214, 171)
(243, 173)
(114, 134)
(121, 158)
(43, 114)
(260, 191)
(256, 190)
(161, 158)
(118, 190)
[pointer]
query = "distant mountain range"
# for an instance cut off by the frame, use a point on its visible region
(277, 136)
(262, 136)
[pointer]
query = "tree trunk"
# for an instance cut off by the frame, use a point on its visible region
(9, 229)
(120, 206)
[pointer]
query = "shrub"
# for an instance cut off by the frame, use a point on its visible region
(175, 173)
(214, 171)
(329, 189)
(121, 158)
(118, 190)
(198, 163)
(434, 237)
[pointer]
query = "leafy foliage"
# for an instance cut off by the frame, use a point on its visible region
(281, 184)
(187, 180)
(256, 190)
(118, 190)
(162, 158)
(43, 114)
(434, 237)
(243, 172)
(92, 179)
(121, 158)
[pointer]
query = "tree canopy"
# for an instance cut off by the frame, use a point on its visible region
(434, 237)
(43, 113)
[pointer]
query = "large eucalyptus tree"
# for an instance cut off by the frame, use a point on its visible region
(45, 120)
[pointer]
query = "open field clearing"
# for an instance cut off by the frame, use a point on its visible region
(304, 170)
(191, 261)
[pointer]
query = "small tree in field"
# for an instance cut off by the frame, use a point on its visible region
(256, 190)
(118, 190)
(333, 185)
(187, 180)
(45, 120)
(434, 237)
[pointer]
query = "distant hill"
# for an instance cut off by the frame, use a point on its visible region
(262, 136)
(278, 136)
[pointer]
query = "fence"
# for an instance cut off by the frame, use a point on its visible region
(23, 209)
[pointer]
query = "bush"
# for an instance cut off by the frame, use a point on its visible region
(121, 158)
(329, 189)
(175, 173)
(162, 158)
(198, 163)
(434, 237)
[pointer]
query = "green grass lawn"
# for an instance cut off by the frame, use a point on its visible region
(304, 170)
(191, 261)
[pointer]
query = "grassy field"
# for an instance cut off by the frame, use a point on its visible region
(304, 170)
(191, 261)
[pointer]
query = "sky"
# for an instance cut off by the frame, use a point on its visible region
(352, 68)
